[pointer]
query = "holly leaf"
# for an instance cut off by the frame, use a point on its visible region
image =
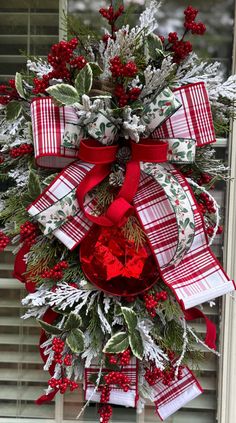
(96, 69)
(117, 343)
(53, 330)
(19, 85)
(84, 80)
(75, 341)
(154, 45)
(34, 187)
(13, 110)
(136, 344)
(64, 94)
(73, 321)
(130, 318)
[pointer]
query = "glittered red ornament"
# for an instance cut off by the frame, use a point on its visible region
(115, 265)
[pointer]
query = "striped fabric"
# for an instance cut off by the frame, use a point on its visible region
(117, 395)
(170, 399)
(193, 119)
(73, 230)
(199, 277)
(48, 123)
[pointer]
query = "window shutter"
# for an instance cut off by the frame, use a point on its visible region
(31, 26)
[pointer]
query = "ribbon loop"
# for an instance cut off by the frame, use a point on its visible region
(150, 150)
(91, 151)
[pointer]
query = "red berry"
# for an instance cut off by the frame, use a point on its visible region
(4, 241)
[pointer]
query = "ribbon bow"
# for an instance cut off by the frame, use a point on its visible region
(158, 193)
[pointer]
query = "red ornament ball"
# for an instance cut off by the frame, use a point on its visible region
(115, 265)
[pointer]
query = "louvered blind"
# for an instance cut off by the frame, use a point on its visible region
(30, 26)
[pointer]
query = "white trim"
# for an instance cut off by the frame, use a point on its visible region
(227, 364)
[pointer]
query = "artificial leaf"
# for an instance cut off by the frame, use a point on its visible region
(96, 69)
(75, 341)
(154, 45)
(73, 321)
(19, 85)
(130, 318)
(84, 80)
(64, 94)
(13, 110)
(53, 330)
(34, 187)
(136, 344)
(117, 343)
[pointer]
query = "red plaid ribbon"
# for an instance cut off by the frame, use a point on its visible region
(193, 120)
(48, 122)
(117, 395)
(171, 398)
(199, 277)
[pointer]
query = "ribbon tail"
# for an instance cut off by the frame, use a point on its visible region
(20, 265)
(46, 398)
(210, 338)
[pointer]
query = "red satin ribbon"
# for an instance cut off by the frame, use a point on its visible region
(193, 314)
(91, 151)
(48, 317)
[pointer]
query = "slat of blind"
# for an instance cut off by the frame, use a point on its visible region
(14, 321)
(16, 357)
(29, 413)
(25, 375)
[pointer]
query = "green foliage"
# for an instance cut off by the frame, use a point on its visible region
(117, 343)
(96, 69)
(13, 110)
(34, 186)
(130, 318)
(73, 322)
(19, 85)
(75, 341)
(52, 330)
(154, 46)
(84, 80)
(136, 344)
(133, 232)
(64, 94)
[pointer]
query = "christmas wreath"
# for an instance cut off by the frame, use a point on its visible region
(106, 151)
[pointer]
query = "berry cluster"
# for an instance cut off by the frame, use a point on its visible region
(152, 375)
(110, 14)
(58, 347)
(122, 358)
(61, 58)
(63, 384)
(167, 376)
(4, 241)
(1, 159)
(8, 92)
(105, 412)
(118, 378)
(56, 272)
(28, 233)
(190, 24)
(206, 206)
(22, 150)
(105, 394)
(125, 96)
(152, 300)
(180, 47)
(204, 179)
(119, 69)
